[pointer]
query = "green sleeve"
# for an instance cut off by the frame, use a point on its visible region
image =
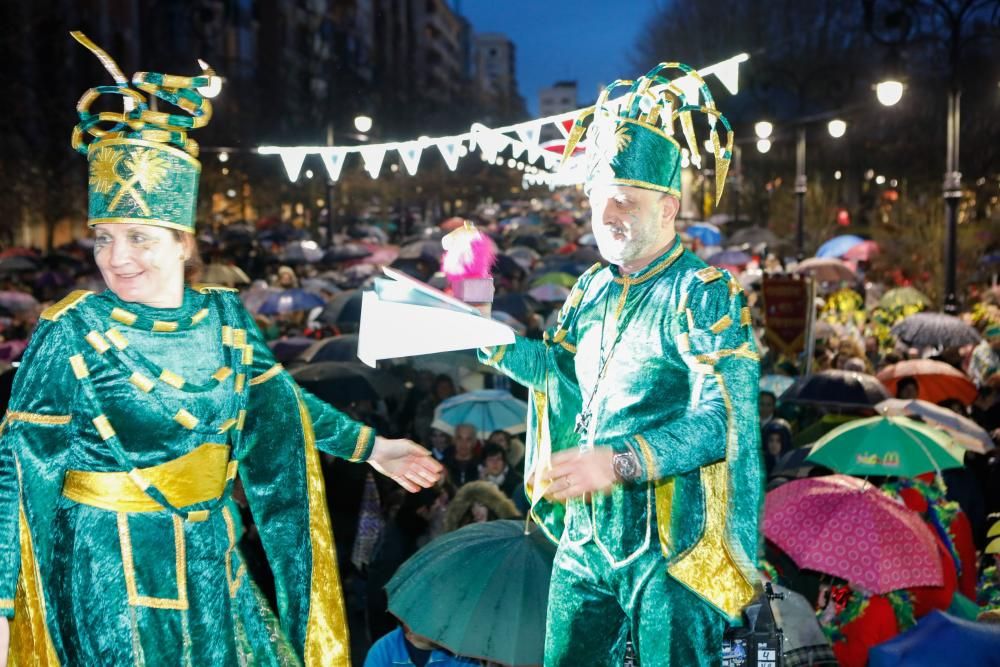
(335, 433)
(36, 433)
(524, 361)
(716, 342)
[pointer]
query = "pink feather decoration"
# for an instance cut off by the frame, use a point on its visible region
(468, 254)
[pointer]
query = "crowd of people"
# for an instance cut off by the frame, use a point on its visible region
(305, 298)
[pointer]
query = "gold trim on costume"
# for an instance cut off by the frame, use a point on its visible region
(7, 604)
(171, 378)
(650, 128)
(626, 283)
(222, 374)
(30, 641)
(199, 316)
(97, 342)
(227, 335)
(56, 310)
(128, 566)
(239, 382)
(724, 323)
(237, 579)
(226, 425)
(497, 355)
(186, 419)
(365, 433)
(744, 351)
(79, 365)
(247, 355)
(326, 640)
(569, 347)
(266, 375)
(116, 338)
(196, 477)
(40, 419)
(148, 144)
(123, 316)
(657, 268)
(241, 419)
(141, 382)
(103, 427)
(239, 337)
(154, 222)
(645, 185)
(197, 516)
(745, 318)
(205, 288)
(164, 327)
(664, 512)
(708, 274)
(652, 471)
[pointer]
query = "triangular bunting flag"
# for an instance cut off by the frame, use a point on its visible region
(293, 158)
(728, 72)
(565, 126)
(373, 157)
(333, 160)
(691, 89)
(410, 153)
(516, 149)
(449, 151)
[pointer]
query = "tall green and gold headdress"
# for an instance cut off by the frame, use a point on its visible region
(143, 169)
(631, 138)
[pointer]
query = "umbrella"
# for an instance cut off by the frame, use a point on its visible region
(936, 380)
(338, 348)
(344, 382)
(730, 258)
(792, 461)
(706, 233)
(585, 258)
(426, 250)
(963, 430)
(776, 384)
(507, 266)
(344, 308)
(18, 264)
(845, 527)
(900, 297)
(554, 278)
(318, 285)
(289, 301)
(495, 602)
(286, 349)
(897, 446)
(449, 362)
(754, 236)
(826, 270)
(302, 251)
(224, 274)
(940, 639)
(521, 306)
(818, 429)
(451, 224)
(935, 330)
(844, 389)
(524, 256)
(258, 293)
(838, 245)
(487, 409)
(549, 293)
(346, 253)
(17, 302)
(862, 252)
(238, 232)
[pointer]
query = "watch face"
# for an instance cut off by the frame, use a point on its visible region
(626, 467)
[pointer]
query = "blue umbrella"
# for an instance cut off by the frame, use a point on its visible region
(940, 639)
(487, 409)
(706, 233)
(776, 384)
(290, 301)
(730, 258)
(838, 245)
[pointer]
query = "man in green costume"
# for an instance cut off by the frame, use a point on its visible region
(643, 419)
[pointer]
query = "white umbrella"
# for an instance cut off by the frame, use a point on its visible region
(963, 431)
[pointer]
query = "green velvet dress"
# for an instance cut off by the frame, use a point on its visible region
(126, 428)
(670, 558)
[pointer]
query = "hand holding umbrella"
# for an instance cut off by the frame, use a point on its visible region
(406, 463)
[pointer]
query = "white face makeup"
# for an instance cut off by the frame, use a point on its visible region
(629, 224)
(141, 263)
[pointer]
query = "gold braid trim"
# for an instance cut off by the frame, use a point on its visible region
(743, 351)
(58, 309)
(267, 375)
(652, 472)
(180, 565)
(364, 436)
(40, 419)
(724, 323)
(7, 604)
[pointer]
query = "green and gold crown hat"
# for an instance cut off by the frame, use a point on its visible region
(143, 167)
(631, 138)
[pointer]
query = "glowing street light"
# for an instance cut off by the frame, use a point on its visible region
(763, 145)
(223, 156)
(836, 128)
(889, 92)
(363, 124)
(763, 130)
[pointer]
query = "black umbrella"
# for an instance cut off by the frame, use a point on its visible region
(754, 236)
(343, 382)
(338, 348)
(343, 308)
(519, 306)
(346, 253)
(18, 264)
(238, 232)
(834, 388)
(286, 349)
(298, 252)
(425, 250)
(507, 266)
(935, 330)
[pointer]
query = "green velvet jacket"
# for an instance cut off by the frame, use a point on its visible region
(126, 427)
(680, 391)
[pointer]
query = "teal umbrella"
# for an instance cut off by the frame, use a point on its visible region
(481, 592)
(487, 409)
(895, 446)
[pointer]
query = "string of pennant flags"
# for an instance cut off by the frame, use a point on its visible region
(539, 162)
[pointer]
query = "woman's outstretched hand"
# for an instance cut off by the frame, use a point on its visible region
(405, 462)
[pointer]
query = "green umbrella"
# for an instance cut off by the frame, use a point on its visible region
(901, 297)
(895, 446)
(818, 429)
(480, 592)
(554, 278)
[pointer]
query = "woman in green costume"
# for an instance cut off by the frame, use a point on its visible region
(134, 411)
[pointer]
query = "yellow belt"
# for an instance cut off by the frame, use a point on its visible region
(196, 477)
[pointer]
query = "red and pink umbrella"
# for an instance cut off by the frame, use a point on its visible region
(845, 527)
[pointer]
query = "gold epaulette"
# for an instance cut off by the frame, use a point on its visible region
(593, 269)
(56, 310)
(708, 274)
(205, 288)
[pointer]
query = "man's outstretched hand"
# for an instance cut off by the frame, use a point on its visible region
(405, 462)
(577, 472)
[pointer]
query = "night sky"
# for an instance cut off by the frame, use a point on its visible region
(584, 40)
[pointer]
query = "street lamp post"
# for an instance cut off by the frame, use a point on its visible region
(331, 220)
(800, 191)
(952, 196)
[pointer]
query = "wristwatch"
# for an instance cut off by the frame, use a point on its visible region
(626, 466)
